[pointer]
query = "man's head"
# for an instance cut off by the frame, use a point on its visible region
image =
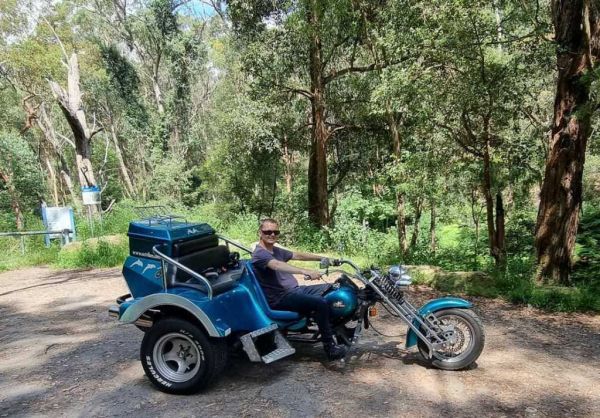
(268, 231)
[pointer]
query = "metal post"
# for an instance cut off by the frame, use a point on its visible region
(23, 244)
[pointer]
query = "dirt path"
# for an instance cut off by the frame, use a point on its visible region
(60, 355)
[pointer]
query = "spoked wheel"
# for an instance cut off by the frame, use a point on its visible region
(179, 358)
(465, 340)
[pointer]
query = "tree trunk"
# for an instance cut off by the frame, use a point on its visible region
(70, 103)
(500, 235)
(401, 224)
(397, 150)
(416, 225)
(577, 25)
(122, 166)
(287, 164)
(65, 174)
(52, 180)
(318, 206)
(489, 200)
(158, 97)
(432, 228)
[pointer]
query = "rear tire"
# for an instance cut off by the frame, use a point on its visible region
(470, 340)
(178, 357)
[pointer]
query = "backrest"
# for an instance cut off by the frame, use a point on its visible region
(199, 261)
(181, 249)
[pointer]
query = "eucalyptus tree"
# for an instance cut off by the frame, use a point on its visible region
(305, 47)
(483, 69)
(577, 35)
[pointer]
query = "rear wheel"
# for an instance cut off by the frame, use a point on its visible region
(465, 340)
(178, 357)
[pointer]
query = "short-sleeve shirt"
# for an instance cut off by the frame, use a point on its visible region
(275, 284)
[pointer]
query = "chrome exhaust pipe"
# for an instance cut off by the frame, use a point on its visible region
(143, 321)
(113, 311)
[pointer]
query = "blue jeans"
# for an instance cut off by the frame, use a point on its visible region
(308, 300)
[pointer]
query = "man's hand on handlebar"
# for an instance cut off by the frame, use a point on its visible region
(311, 275)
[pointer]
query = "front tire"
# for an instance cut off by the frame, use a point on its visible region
(179, 358)
(467, 342)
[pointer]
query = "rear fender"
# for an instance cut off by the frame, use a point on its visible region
(130, 311)
(431, 307)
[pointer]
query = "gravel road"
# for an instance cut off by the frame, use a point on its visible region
(61, 355)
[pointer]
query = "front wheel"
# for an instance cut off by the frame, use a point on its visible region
(179, 358)
(465, 341)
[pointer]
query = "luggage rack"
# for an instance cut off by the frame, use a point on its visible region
(158, 215)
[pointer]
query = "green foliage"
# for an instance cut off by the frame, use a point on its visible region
(213, 117)
(21, 180)
(94, 253)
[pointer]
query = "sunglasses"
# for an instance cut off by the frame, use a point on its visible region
(269, 232)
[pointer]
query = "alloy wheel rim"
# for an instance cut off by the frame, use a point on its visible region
(176, 357)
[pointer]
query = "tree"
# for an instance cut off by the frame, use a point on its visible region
(313, 47)
(21, 183)
(70, 102)
(577, 35)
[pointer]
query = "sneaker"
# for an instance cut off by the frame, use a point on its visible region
(334, 351)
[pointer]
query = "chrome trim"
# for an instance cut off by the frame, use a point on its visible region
(405, 310)
(137, 309)
(113, 311)
(164, 258)
(144, 322)
(236, 244)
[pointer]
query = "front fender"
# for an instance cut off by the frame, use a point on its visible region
(434, 306)
(130, 311)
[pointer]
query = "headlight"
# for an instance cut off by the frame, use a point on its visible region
(400, 276)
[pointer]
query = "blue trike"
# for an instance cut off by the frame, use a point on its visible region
(197, 300)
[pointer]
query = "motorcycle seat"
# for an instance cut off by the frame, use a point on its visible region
(262, 300)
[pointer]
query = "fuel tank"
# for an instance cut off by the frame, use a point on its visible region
(342, 300)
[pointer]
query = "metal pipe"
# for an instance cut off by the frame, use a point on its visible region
(236, 244)
(184, 268)
(19, 234)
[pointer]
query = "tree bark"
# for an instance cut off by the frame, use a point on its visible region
(500, 249)
(287, 164)
(432, 238)
(52, 180)
(397, 150)
(318, 205)
(417, 223)
(67, 179)
(577, 26)
(489, 205)
(130, 189)
(70, 103)
(45, 124)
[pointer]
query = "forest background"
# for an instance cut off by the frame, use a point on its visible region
(447, 133)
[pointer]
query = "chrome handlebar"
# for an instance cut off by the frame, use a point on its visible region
(166, 259)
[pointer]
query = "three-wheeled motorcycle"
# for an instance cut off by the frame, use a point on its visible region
(196, 300)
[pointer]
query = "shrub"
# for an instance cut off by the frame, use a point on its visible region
(107, 251)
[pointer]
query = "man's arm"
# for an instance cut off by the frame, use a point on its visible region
(306, 256)
(286, 268)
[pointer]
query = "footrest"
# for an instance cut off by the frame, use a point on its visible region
(282, 347)
(277, 354)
